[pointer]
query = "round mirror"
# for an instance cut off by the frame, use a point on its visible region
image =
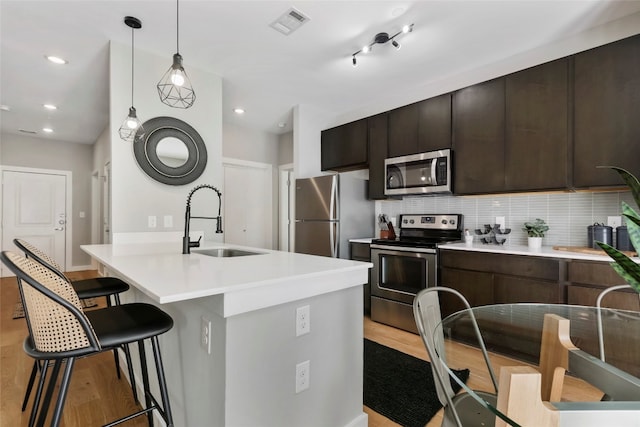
(172, 152)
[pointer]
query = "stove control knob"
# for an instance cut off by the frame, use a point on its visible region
(444, 221)
(404, 221)
(411, 221)
(452, 221)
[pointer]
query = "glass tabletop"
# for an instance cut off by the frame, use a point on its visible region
(516, 331)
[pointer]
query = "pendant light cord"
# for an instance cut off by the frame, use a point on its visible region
(132, 65)
(177, 28)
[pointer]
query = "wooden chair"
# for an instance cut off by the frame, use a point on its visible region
(60, 331)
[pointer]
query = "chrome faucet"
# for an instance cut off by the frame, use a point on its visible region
(187, 244)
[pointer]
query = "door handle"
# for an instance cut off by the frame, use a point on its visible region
(59, 228)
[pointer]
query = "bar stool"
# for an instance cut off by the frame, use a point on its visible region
(60, 331)
(86, 288)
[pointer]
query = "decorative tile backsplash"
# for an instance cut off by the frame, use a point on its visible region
(567, 214)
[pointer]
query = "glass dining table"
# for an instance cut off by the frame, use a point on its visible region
(598, 345)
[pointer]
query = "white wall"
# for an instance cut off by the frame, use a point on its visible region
(308, 122)
(135, 196)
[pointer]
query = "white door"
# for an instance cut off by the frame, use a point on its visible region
(247, 203)
(34, 209)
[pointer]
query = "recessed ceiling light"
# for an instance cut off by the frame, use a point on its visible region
(47, 130)
(4, 107)
(50, 106)
(238, 110)
(56, 60)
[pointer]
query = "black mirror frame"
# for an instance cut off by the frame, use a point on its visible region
(155, 130)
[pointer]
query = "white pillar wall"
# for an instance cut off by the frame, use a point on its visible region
(135, 196)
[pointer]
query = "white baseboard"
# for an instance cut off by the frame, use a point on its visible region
(81, 267)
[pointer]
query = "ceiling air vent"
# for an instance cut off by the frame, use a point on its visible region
(290, 21)
(31, 132)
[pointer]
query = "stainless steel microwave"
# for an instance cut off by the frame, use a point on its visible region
(424, 173)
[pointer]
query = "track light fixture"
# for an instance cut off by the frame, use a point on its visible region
(131, 129)
(381, 38)
(174, 87)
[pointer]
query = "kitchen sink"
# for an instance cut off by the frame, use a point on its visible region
(225, 252)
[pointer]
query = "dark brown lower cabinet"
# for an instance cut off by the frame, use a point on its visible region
(362, 252)
(491, 278)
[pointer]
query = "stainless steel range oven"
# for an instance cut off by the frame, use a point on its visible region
(403, 267)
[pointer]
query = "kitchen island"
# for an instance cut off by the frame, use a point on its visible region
(244, 374)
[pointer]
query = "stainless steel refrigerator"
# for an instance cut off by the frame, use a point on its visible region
(330, 210)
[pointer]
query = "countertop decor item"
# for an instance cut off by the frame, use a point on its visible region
(628, 269)
(493, 234)
(535, 231)
(170, 151)
(132, 129)
(175, 87)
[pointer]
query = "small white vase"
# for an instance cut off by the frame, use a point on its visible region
(535, 242)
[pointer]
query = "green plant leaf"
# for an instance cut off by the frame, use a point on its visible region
(626, 276)
(630, 180)
(623, 265)
(633, 225)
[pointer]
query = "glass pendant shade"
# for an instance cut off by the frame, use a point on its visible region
(131, 129)
(175, 88)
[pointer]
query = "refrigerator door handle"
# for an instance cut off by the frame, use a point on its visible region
(334, 239)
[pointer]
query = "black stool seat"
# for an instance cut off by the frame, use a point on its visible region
(99, 287)
(127, 323)
(114, 327)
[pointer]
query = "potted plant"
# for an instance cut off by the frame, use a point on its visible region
(535, 230)
(628, 269)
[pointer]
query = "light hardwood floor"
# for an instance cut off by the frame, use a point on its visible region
(96, 396)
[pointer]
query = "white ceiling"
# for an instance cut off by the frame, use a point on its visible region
(264, 71)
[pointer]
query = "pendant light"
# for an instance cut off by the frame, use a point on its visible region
(131, 129)
(174, 87)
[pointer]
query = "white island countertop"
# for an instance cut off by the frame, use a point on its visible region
(165, 275)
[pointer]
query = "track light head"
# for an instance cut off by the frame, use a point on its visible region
(395, 44)
(353, 59)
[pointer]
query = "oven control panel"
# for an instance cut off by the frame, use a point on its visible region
(436, 222)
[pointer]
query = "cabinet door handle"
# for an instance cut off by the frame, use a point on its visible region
(58, 228)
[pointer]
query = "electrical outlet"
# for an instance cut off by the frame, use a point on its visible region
(614, 221)
(303, 320)
(168, 221)
(303, 375)
(501, 221)
(152, 221)
(205, 334)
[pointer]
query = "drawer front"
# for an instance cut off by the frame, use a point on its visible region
(360, 251)
(593, 273)
(516, 265)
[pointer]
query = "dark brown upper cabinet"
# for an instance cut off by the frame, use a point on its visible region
(377, 154)
(537, 128)
(606, 118)
(434, 123)
(403, 131)
(423, 126)
(479, 137)
(345, 147)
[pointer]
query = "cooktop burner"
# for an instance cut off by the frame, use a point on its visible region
(426, 230)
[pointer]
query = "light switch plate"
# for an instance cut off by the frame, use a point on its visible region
(168, 221)
(614, 221)
(152, 221)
